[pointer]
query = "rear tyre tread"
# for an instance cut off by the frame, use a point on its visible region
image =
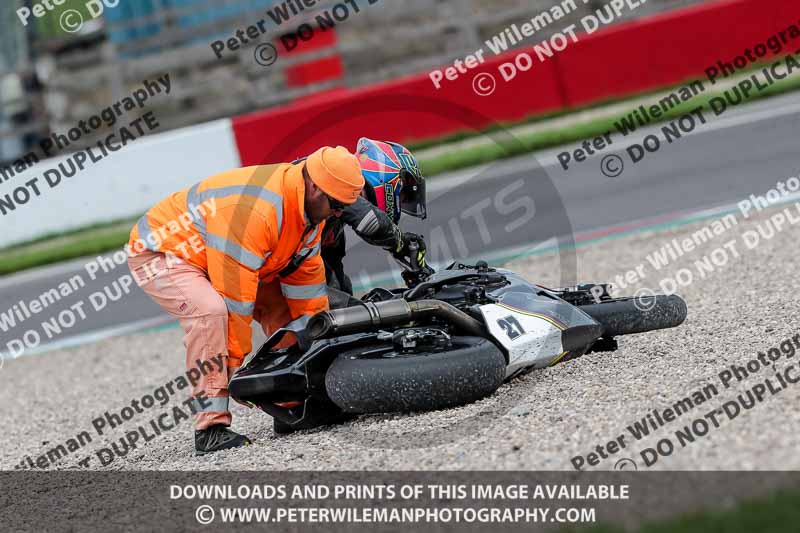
(472, 370)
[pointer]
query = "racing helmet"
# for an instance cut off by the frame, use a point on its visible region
(394, 176)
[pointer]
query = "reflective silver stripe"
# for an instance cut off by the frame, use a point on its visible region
(369, 224)
(229, 248)
(247, 190)
(312, 236)
(193, 199)
(145, 233)
(240, 308)
(304, 292)
(211, 405)
(298, 323)
(314, 250)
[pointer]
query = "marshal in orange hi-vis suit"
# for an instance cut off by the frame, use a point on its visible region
(212, 256)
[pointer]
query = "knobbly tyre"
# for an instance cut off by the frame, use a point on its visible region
(448, 339)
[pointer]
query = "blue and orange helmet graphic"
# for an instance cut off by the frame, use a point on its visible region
(394, 175)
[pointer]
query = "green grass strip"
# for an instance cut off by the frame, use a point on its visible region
(57, 248)
(776, 513)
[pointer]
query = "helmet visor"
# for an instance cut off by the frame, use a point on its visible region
(412, 195)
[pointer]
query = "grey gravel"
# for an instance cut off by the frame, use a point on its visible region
(539, 421)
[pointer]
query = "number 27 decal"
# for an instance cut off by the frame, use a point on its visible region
(511, 326)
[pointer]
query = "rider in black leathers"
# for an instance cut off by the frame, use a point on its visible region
(394, 185)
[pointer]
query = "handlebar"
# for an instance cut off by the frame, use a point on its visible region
(413, 248)
(413, 274)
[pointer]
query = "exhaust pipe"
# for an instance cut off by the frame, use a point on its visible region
(373, 316)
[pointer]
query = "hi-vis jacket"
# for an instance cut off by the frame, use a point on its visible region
(257, 227)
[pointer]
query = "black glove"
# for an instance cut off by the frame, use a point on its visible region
(411, 247)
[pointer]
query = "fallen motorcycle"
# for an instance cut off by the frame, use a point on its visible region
(449, 339)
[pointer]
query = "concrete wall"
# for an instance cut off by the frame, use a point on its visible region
(125, 184)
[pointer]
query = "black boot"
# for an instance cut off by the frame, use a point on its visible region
(216, 438)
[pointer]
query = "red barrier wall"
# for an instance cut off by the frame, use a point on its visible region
(668, 49)
(624, 59)
(403, 109)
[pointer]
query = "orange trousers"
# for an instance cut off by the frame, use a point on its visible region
(185, 292)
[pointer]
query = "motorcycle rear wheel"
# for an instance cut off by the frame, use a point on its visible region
(363, 382)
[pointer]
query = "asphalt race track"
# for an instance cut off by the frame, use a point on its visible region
(551, 419)
(748, 152)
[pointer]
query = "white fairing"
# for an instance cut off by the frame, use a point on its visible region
(530, 340)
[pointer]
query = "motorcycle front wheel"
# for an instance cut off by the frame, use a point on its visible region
(625, 316)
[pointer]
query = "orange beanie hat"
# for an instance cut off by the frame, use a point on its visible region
(337, 172)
